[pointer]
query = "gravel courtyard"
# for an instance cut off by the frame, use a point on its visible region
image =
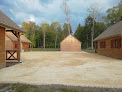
(68, 68)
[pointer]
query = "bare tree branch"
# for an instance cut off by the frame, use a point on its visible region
(67, 12)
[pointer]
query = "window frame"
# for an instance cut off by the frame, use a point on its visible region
(116, 43)
(103, 44)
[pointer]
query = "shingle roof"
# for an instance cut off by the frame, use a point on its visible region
(113, 30)
(24, 39)
(6, 21)
(11, 36)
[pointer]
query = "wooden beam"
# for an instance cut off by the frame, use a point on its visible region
(11, 28)
(2, 48)
(18, 45)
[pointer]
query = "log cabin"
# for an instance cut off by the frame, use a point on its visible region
(7, 23)
(70, 43)
(25, 43)
(11, 42)
(109, 43)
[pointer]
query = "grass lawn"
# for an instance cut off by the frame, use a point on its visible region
(34, 88)
(53, 88)
(46, 49)
(88, 50)
(58, 49)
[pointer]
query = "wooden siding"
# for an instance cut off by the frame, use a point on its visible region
(25, 46)
(14, 48)
(108, 51)
(9, 44)
(70, 43)
(2, 48)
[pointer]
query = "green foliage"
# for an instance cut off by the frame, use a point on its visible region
(65, 29)
(54, 34)
(68, 90)
(46, 49)
(36, 34)
(27, 88)
(79, 32)
(45, 28)
(99, 28)
(113, 15)
(83, 33)
(30, 29)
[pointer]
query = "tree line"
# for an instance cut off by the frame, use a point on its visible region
(45, 35)
(93, 28)
(50, 36)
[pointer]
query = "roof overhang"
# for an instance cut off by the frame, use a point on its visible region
(6, 26)
(107, 37)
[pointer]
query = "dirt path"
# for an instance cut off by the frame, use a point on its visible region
(69, 68)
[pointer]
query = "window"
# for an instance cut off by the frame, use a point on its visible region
(102, 44)
(15, 45)
(116, 43)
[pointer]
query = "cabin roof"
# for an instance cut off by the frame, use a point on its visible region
(7, 22)
(25, 39)
(72, 36)
(11, 36)
(113, 30)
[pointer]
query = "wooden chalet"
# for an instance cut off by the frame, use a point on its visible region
(109, 43)
(7, 23)
(25, 43)
(70, 43)
(11, 42)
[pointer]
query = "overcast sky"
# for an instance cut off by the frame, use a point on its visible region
(50, 10)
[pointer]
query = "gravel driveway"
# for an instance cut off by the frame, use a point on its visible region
(68, 68)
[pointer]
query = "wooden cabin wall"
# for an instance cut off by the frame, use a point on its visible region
(2, 48)
(9, 44)
(108, 51)
(70, 44)
(25, 46)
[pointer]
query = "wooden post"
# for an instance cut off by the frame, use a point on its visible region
(2, 48)
(95, 47)
(18, 45)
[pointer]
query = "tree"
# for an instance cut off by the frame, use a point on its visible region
(83, 33)
(99, 28)
(56, 25)
(65, 29)
(87, 30)
(94, 12)
(25, 26)
(78, 33)
(67, 12)
(60, 36)
(30, 28)
(114, 14)
(50, 38)
(44, 28)
(38, 36)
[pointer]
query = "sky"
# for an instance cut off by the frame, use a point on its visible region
(40, 11)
